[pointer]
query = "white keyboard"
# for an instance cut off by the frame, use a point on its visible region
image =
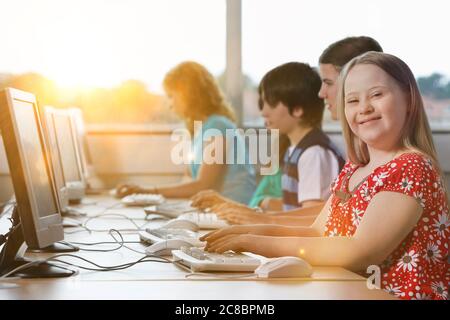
(157, 235)
(199, 260)
(204, 220)
(171, 209)
(142, 199)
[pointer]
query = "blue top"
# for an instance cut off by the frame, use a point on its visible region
(240, 182)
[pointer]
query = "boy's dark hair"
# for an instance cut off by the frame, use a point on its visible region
(295, 85)
(342, 51)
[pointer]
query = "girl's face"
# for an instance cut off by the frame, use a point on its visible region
(328, 90)
(278, 117)
(177, 102)
(375, 106)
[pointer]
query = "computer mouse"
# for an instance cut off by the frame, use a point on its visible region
(165, 247)
(284, 267)
(181, 224)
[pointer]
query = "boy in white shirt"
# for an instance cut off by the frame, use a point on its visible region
(289, 103)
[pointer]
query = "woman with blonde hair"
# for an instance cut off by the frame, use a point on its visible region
(196, 97)
(389, 206)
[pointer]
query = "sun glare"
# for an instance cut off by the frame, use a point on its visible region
(86, 63)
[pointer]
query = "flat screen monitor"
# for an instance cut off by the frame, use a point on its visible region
(30, 169)
(80, 137)
(60, 183)
(67, 146)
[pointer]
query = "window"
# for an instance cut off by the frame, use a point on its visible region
(278, 31)
(107, 57)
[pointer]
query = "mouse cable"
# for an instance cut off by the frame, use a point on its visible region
(149, 258)
(116, 241)
(121, 242)
(138, 228)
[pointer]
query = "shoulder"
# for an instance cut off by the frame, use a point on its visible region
(412, 164)
(413, 174)
(219, 122)
(317, 154)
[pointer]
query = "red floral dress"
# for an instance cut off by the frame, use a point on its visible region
(418, 268)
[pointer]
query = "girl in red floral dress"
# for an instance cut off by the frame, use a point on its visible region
(388, 206)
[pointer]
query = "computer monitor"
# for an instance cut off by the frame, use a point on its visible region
(67, 146)
(38, 211)
(58, 173)
(80, 137)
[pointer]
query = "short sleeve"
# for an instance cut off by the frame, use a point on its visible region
(268, 187)
(216, 126)
(317, 169)
(414, 176)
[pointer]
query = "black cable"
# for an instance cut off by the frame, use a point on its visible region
(129, 265)
(107, 268)
(99, 243)
(109, 214)
(131, 249)
(120, 243)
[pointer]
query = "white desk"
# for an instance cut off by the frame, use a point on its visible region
(166, 281)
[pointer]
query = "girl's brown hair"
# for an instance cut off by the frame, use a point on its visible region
(200, 92)
(416, 134)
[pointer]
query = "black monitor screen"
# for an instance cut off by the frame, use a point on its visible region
(66, 146)
(35, 158)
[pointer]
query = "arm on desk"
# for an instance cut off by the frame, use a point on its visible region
(378, 234)
(239, 214)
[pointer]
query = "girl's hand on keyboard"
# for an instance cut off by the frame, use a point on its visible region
(207, 199)
(234, 242)
(127, 189)
(216, 234)
(236, 230)
(239, 214)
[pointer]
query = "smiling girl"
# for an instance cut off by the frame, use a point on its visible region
(388, 206)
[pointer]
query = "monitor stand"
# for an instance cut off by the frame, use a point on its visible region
(9, 259)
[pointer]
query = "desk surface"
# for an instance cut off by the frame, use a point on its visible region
(165, 281)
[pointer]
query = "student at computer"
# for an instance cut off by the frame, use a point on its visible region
(331, 62)
(196, 97)
(267, 196)
(289, 103)
(389, 205)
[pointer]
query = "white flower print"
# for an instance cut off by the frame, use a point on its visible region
(408, 261)
(441, 225)
(393, 290)
(439, 289)
(356, 216)
(333, 233)
(378, 179)
(432, 254)
(421, 296)
(419, 196)
(406, 184)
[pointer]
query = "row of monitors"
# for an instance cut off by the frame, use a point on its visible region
(46, 161)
